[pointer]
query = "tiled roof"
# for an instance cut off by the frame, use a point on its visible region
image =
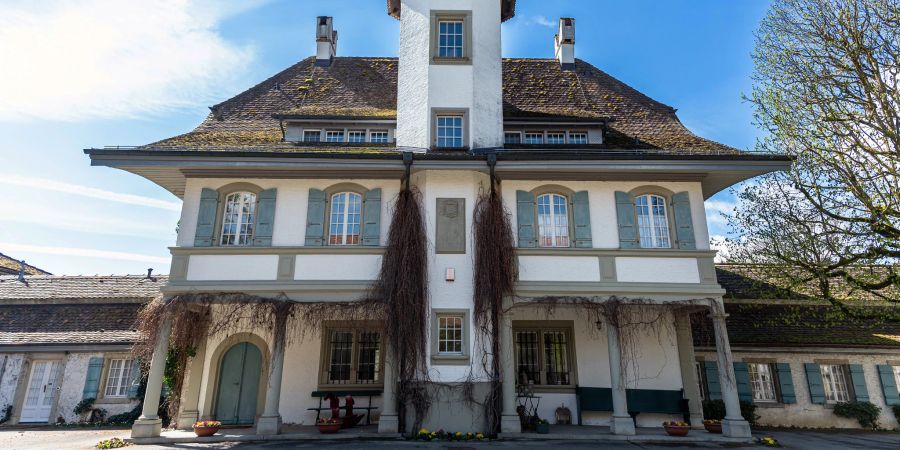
(47, 287)
(357, 87)
(768, 281)
(68, 324)
(10, 266)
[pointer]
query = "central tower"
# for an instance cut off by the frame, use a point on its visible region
(450, 74)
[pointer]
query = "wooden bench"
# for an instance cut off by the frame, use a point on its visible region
(659, 401)
(367, 393)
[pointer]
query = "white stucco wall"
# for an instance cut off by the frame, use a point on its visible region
(657, 270)
(806, 414)
(9, 381)
(233, 267)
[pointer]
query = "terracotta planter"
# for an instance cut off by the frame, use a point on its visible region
(677, 431)
(205, 431)
(713, 427)
(329, 428)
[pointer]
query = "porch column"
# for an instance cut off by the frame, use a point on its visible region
(190, 398)
(688, 374)
(389, 421)
(149, 423)
(734, 424)
(270, 421)
(509, 418)
(620, 422)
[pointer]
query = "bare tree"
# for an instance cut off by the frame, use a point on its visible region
(826, 93)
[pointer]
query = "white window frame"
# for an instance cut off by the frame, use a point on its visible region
(461, 35)
(244, 229)
(533, 134)
(762, 382)
(329, 134)
(557, 229)
(578, 133)
(461, 127)
(656, 233)
(451, 323)
(558, 136)
(317, 132)
(835, 383)
(361, 133)
(518, 138)
(378, 140)
(118, 378)
(346, 219)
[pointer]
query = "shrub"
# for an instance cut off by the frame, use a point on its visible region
(84, 406)
(126, 418)
(896, 409)
(864, 412)
(715, 410)
(7, 413)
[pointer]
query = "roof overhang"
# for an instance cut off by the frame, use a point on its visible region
(507, 9)
(171, 169)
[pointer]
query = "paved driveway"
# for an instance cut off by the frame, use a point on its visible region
(79, 438)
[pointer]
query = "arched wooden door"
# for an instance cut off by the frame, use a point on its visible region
(238, 384)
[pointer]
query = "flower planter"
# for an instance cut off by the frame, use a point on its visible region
(542, 428)
(329, 428)
(205, 431)
(713, 427)
(677, 430)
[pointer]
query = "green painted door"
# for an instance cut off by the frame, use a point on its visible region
(239, 384)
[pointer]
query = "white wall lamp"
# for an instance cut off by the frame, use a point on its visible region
(450, 275)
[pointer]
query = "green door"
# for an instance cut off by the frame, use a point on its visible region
(238, 384)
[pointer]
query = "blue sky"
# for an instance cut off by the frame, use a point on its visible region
(105, 72)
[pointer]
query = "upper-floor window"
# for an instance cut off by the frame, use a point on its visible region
(334, 136)
(356, 136)
(834, 382)
(378, 137)
(450, 39)
(449, 130)
(578, 138)
(344, 227)
(762, 382)
(238, 219)
(512, 137)
(653, 221)
(312, 135)
(534, 138)
(118, 378)
(556, 137)
(553, 220)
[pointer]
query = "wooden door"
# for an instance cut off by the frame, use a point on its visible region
(40, 392)
(239, 384)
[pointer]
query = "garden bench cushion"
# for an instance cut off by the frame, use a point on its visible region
(660, 401)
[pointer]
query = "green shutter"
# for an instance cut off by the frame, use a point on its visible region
(92, 379)
(814, 381)
(888, 384)
(315, 218)
(684, 224)
(525, 219)
(742, 379)
(372, 218)
(858, 378)
(785, 383)
(628, 237)
(581, 213)
(265, 218)
(135, 378)
(712, 380)
(206, 218)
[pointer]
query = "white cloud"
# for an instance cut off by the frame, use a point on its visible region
(540, 20)
(718, 243)
(715, 209)
(53, 216)
(64, 60)
(87, 191)
(82, 252)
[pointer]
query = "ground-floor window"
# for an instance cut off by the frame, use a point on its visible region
(352, 355)
(118, 378)
(762, 382)
(834, 380)
(544, 356)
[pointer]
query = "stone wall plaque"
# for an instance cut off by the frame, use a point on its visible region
(451, 225)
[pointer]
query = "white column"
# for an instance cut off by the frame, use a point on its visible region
(389, 421)
(149, 423)
(688, 373)
(620, 422)
(734, 424)
(190, 399)
(509, 418)
(270, 421)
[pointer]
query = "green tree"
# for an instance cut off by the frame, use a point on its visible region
(827, 92)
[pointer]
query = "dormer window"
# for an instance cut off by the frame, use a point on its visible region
(334, 136)
(378, 137)
(578, 138)
(556, 137)
(534, 138)
(451, 37)
(356, 136)
(312, 135)
(513, 137)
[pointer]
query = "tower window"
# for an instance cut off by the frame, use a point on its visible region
(450, 39)
(450, 131)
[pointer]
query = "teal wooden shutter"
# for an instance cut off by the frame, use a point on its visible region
(206, 218)
(525, 219)
(785, 383)
(888, 384)
(92, 379)
(742, 379)
(712, 380)
(858, 378)
(581, 213)
(135, 378)
(814, 381)
(628, 236)
(684, 224)
(315, 218)
(372, 218)
(265, 218)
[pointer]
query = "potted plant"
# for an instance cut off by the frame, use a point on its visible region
(713, 426)
(330, 425)
(205, 428)
(541, 426)
(677, 428)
